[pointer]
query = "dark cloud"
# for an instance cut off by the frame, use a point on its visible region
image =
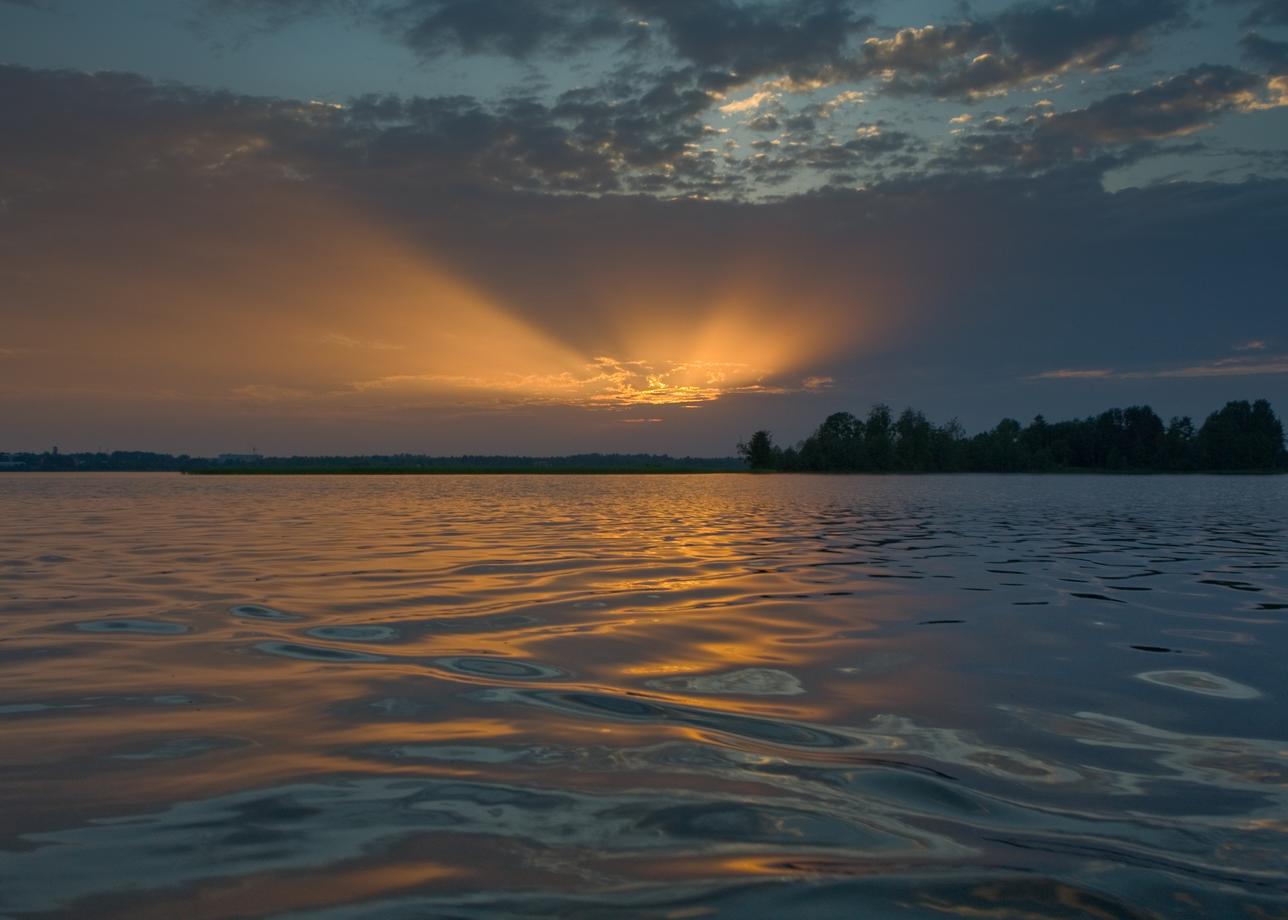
(872, 149)
(1024, 42)
(922, 53)
(723, 43)
(1179, 106)
(640, 128)
(1262, 12)
(104, 123)
(745, 37)
(517, 28)
(1092, 33)
(1271, 54)
(799, 39)
(590, 140)
(1117, 129)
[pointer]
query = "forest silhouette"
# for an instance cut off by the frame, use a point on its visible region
(1242, 436)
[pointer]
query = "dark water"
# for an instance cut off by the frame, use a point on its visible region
(722, 696)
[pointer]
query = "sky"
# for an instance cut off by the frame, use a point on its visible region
(555, 226)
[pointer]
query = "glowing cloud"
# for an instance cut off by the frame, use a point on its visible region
(750, 104)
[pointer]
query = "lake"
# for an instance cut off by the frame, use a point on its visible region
(662, 696)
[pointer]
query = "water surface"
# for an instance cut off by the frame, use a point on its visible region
(607, 696)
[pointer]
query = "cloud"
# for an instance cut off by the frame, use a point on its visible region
(796, 45)
(1271, 54)
(799, 39)
(1261, 12)
(1170, 108)
(603, 383)
(792, 37)
(107, 123)
(584, 141)
(1022, 43)
(749, 104)
(641, 126)
(1120, 127)
(765, 122)
(1222, 367)
(1072, 374)
(517, 28)
(1227, 368)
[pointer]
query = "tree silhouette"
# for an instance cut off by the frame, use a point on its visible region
(759, 451)
(878, 438)
(913, 437)
(1241, 436)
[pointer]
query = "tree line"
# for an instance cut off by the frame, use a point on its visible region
(1241, 436)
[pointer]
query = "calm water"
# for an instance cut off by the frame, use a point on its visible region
(731, 696)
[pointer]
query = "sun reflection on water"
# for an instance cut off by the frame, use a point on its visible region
(577, 687)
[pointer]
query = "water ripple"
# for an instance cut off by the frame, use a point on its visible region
(739, 696)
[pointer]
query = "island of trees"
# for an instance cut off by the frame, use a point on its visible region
(1242, 436)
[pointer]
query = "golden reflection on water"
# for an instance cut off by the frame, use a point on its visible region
(253, 696)
(345, 884)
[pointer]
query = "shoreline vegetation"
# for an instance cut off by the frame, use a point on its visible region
(1242, 437)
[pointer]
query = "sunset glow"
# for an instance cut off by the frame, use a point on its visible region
(725, 459)
(418, 248)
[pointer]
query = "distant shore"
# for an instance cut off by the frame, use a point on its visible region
(652, 471)
(1242, 437)
(461, 471)
(254, 464)
(633, 471)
